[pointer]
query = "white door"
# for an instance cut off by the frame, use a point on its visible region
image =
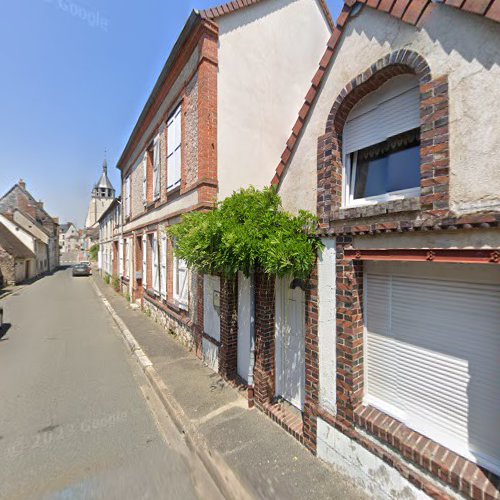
(245, 325)
(211, 306)
(433, 352)
(290, 342)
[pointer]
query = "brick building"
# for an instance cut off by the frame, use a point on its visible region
(397, 150)
(20, 203)
(215, 121)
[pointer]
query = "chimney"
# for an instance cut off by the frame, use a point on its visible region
(22, 184)
(40, 204)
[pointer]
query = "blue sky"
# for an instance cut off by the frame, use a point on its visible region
(75, 76)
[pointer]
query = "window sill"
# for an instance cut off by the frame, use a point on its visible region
(376, 209)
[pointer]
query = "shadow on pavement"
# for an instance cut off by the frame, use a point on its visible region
(3, 331)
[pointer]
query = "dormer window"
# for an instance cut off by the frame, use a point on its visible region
(381, 144)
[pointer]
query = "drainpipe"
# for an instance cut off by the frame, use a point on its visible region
(252, 329)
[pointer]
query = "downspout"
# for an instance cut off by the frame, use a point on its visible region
(252, 330)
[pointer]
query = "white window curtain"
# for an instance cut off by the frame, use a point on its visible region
(163, 267)
(181, 282)
(145, 178)
(157, 167)
(156, 269)
(174, 132)
(144, 261)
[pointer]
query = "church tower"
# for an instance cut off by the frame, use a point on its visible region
(102, 196)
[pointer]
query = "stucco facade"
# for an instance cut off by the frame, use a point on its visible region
(267, 55)
(467, 54)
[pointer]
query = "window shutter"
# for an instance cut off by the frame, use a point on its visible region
(144, 261)
(120, 250)
(129, 198)
(432, 359)
(145, 178)
(163, 264)
(178, 145)
(392, 109)
(174, 149)
(156, 167)
(156, 271)
(183, 291)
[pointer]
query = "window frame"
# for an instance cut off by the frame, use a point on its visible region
(349, 168)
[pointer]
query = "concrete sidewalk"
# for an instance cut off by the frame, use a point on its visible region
(251, 455)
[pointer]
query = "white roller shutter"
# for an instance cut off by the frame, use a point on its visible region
(433, 359)
(391, 110)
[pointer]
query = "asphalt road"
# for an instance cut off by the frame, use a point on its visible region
(77, 416)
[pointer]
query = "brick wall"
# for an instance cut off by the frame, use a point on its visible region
(264, 373)
(228, 352)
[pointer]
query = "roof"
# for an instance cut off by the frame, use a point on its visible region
(4, 206)
(104, 181)
(13, 245)
(408, 11)
(33, 221)
(229, 7)
(112, 205)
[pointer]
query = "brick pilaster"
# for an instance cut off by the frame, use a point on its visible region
(349, 332)
(228, 353)
(311, 361)
(264, 373)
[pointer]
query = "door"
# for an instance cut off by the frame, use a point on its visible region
(290, 342)
(245, 326)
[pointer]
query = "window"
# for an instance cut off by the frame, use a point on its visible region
(431, 352)
(181, 283)
(156, 167)
(381, 144)
(174, 149)
(163, 267)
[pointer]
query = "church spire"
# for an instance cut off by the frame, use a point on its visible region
(105, 164)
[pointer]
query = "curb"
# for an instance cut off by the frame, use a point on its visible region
(226, 481)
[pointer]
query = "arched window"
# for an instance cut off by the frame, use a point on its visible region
(381, 144)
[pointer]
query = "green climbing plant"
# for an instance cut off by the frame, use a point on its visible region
(246, 231)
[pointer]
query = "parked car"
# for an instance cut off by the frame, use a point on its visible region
(81, 269)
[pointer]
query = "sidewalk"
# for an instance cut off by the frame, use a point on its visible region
(245, 447)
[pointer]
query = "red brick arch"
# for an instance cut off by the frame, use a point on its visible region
(434, 122)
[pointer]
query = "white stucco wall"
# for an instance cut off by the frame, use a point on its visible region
(469, 53)
(268, 54)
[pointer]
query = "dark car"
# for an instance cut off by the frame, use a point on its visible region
(81, 270)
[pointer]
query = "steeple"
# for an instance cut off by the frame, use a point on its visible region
(103, 194)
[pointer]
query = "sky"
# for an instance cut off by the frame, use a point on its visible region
(75, 75)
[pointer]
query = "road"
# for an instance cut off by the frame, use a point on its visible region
(77, 416)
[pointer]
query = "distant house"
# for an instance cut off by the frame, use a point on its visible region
(17, 261)
(32, 238)
(18, 197)
(69, 238)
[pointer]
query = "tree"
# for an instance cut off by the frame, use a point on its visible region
(94, 250)
(247, 231)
